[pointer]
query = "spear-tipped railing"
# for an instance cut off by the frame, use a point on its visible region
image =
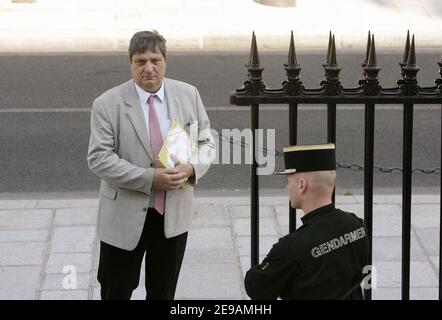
(368, 92)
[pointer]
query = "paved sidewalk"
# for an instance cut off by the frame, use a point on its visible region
(82, 25)
(40, 241)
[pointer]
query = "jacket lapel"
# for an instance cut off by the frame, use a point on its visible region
(172, 101)
(136, 116)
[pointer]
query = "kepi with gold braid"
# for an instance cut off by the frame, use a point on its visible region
(307, 158)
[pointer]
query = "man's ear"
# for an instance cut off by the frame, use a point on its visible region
(303, 184)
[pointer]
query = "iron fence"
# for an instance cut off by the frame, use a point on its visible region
(331, 92)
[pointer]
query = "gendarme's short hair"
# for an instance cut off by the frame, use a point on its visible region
(320, 157)
(147, 40)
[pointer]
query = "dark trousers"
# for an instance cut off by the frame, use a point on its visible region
(119, 270)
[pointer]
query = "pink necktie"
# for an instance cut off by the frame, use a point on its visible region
(156, 141)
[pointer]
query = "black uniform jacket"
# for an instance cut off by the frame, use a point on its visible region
(323, 259)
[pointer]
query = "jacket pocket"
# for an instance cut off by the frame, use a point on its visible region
(108, 192)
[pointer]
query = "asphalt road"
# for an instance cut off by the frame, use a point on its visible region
(45, 101)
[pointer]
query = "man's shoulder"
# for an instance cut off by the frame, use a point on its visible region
(180, 85)
(115, 92)
(295, 241)
(350, 216)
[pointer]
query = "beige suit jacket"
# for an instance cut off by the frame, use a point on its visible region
(120, 154)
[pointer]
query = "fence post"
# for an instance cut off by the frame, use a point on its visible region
(292, 86)
(332, 84)
(371, 84)
(255, 74)
(439, 85)
(409, 88)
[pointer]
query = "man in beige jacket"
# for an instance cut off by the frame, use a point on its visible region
(145, 208)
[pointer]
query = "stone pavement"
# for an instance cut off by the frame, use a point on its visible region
(103, 25)
(42, 242)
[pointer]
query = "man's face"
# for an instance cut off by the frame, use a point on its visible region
(293, 190)
(148, 69)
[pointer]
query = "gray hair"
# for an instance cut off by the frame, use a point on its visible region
(147, 40)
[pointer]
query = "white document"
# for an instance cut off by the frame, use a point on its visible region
(177, 147)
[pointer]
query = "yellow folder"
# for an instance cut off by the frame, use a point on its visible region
(177, 145)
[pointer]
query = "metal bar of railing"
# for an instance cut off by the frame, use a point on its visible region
(406, 198)
(371, 84)
(254, 213)
(368, 181)
(331, 123)
(293, 127)
(331, 129)
(440, 223)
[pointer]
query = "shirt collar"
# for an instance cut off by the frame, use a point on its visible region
(144, 95)
(317, 212)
